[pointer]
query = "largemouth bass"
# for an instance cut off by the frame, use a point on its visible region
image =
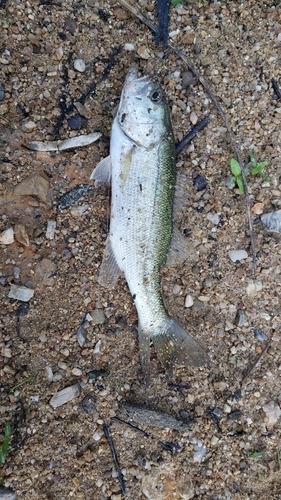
(142, 170)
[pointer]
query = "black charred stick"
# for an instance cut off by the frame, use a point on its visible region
(276, 88)
(188, 138)
(163, 22)
(114, 456)
(134, 427)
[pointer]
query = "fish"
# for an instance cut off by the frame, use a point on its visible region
(142, 170)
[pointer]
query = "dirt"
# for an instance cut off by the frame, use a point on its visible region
(232, 446)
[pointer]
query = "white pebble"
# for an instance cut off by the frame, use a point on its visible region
(214, 440)
(254, 288)
(77, 372)
(188, 301)
(51, 226)
(97, 436)
(193, 118)
(176, 289)
(7, 237)
(21, 293)
(235, 255)
(272, 413)
(129, 46)
(80, 65)
(214, 218)
(97, 347)
(65, 395)
(227, 408)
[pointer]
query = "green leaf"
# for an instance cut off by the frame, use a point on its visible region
(253, 159)
(256, 454)
(240, 183)
(175, 2)
(246, 170)
(235, 167)
(259, 167)
(6, 442)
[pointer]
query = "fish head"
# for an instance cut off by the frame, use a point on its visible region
(143, 112)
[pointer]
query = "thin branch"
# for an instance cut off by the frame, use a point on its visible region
(128, 4)
(256, 362)
(114, 456)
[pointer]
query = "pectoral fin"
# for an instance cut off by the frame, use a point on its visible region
(109, 270)
(102, 172)
(180, 250)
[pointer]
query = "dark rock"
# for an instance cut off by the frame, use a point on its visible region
(76, 122)
(235, 415)
(188, 79)
(259, 335)
(72, 196)
(70, 25)
(200, 182)
(2, 94)
(88, 404)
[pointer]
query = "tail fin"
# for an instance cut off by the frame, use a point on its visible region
(173, 345)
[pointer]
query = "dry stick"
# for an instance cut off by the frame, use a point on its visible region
(132, 8)
(113, 453)
(256, 362)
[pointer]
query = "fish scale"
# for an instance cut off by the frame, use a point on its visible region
(142, 170)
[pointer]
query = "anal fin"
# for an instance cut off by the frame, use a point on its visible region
(109, 269)
(180, 250)
(102, 172)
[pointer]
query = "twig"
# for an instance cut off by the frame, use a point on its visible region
(188, 138)
(167, 445)
(134, 427)
(276, 88)
(132, 8)
(256, 362)
(113, 453)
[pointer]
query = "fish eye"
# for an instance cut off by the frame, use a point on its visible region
(156, 96)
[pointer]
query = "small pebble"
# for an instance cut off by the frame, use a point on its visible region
(188, 301)
(21, 235)
(51, 226)
(34, 185)
(88, 404)
(272, 413)
(193, 118)
(235, 415)
(257, 209)
(188, 79)
(237, 255)
(143, 52)
(272, 221)
(214, 218)
(21, 293)
(259, 335)
(75, 194)
(7, 236)
(254, 288)
(77, 372)
(214, 440)
(97, 436)
(98, 317)
(76, 122)
(240, 318)
(227, 408)
(79, 65)
(97, 347)
(200, 182)
(176, 289)
(129, 47)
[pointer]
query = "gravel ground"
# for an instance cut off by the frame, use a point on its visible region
(229, 450)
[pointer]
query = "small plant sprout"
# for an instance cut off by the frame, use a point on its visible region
(256, 454)
(176, 2)
(6, 442)
(253, 167)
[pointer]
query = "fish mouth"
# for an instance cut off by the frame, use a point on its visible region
(132, 77)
